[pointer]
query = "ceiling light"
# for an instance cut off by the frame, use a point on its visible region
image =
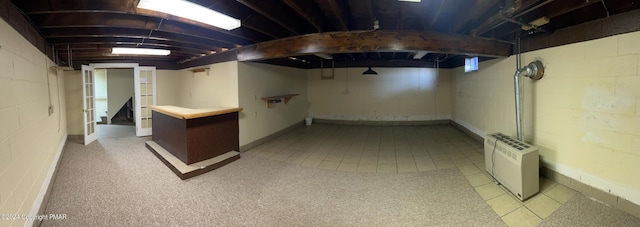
(189, 10)
(324, 56)
(409, 0)
(537, 23)
(369, 72)
(139, 51)
(419, 54)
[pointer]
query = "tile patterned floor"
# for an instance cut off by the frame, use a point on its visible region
(397, 149)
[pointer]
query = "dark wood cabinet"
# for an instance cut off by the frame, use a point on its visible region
(195, 135)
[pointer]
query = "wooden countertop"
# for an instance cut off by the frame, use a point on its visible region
(187, 113)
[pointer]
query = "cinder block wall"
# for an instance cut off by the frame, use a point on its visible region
(30, 139)
(584, 114)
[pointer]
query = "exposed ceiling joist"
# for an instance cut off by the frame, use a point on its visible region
(473, 13)
(437, 13)
(91, 27)
(277, 13)
(497, 19)
(338, 10)
(309, 11)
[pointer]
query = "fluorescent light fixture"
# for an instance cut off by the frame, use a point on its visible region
(419, 54)
(139, 51)
(189, 10)
(324, 56)
(409, 0)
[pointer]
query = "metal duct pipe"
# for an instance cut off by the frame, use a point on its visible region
(535, 71)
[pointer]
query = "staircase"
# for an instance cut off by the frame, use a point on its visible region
(124, 116)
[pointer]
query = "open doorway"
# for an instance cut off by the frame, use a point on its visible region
(115, 109)
(114, 102)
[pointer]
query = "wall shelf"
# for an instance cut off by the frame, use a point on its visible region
(271, 101)
(199, 70)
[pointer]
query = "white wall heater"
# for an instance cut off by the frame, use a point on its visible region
(513, 164)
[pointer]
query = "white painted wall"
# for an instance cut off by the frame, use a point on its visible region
(233, 84)
(101, 93)
(395, 94)
(30, 139)
(261, 80)
(119, 88)
(73, 97)
(168, 85)
(584, 114)
(218, 88)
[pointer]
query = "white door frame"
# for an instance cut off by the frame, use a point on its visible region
(136, 77)
(144, 99)
(89, 122)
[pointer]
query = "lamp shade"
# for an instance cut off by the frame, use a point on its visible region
(369, 72)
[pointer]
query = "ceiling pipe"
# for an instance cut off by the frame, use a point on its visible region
(537, 28)
(498, 19)
(535, 71)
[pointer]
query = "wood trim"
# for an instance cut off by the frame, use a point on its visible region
(186, 113)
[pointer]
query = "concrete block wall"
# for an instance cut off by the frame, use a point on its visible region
(584, 114)
(30, 138)
(394, 95)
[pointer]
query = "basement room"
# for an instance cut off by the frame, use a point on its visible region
(319, 113)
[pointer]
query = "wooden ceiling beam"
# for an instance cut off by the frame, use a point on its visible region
(277, 13)
(374, 41)
(309, 11)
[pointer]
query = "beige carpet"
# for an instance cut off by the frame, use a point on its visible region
(118, 182)
(582, 211)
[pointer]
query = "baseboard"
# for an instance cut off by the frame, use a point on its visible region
(385, 123)
(42, 198)
(467, 131)
(595, 193)
(265, 139)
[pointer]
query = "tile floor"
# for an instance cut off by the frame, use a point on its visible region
(397, 149)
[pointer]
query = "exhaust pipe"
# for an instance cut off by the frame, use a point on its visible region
(535, 71)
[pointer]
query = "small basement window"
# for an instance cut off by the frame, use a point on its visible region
(471, 64)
